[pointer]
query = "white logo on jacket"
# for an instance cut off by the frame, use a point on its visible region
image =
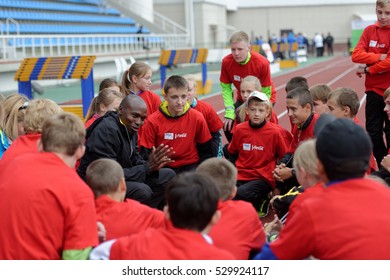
(259, 148)
(168, 136)
(246, 147)
(181, 135)
(249, 147)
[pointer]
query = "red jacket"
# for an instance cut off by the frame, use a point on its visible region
(374, 41)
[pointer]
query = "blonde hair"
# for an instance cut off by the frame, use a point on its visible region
(1, 109)
(382, 3)
(14, 110)
(386, 93)
(239, 36)
(320, 92)
(241, 113)
(63, 133)
(346, 97)
(138, 69)
(37, 112)
(305, 157)
(190, 78)
(106, 96)
(103, 176)
(223, 173)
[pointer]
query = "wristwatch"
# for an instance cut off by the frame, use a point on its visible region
(293, 172)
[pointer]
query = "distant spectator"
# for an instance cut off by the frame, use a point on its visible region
(318, 44)
(329, 43)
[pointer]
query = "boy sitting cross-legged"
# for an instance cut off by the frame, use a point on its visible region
(177, 125)
(257, 144)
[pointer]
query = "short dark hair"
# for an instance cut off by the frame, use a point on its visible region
(296, 82)
(131, 100)
(192, 200)
(103, 176)
(175, 81)
(303, 95)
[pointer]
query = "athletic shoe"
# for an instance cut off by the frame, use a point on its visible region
(264, 207)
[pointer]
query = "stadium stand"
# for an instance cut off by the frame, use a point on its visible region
(64, 17)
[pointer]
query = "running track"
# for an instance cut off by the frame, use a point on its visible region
(336, 72)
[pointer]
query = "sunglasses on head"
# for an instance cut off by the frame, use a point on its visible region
(24, 106)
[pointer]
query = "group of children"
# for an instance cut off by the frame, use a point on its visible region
(213, 201)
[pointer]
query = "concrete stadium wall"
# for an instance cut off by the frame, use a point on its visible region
(209, 25)
(310, 20)
(265, 21)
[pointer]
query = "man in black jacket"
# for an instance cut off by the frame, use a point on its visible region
(115, 136)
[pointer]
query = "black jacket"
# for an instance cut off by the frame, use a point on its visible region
(108, 138)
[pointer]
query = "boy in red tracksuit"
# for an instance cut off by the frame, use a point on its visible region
(344, 103)
(258, 145)
(240, 63)
(239, 230)
(120, 216)
(300, 111)
(214, 122)
(372, 51)
(192, 201)
(177, 125)
(47, 211)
